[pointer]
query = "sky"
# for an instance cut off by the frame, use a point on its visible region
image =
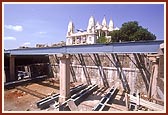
(31, 24)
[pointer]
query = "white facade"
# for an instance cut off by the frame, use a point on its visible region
(94, 31)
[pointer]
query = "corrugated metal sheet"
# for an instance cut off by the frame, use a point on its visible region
(123, 47)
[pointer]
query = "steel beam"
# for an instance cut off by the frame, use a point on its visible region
(106, 100)
(83, 95)
(78, 97)
(22, 81)
(123, 47)
(46, 102)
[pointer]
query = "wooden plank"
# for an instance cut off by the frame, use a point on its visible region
(160, 93)
(147, 104)
(72, 105)
(114, 106)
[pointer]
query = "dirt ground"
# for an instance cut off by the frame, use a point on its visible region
(89, 103)
(18, 100)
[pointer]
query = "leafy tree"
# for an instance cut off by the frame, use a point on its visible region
(131, 31)
(102, 39)
(143, 34)
(116, 35)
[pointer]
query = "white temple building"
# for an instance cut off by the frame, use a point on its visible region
(93, 32)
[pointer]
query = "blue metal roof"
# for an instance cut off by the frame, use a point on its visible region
(122, 47)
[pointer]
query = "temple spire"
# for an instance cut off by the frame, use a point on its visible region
(71, 28)
(91, 25)
(104, 24)
(111, 25)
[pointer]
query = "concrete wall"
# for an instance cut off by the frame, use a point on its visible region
(111, 75)
(92, 66)
(130, 71)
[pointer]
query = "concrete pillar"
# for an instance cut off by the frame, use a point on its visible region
(155, 76)
(64, 77)
(126, 101)
(12, 68)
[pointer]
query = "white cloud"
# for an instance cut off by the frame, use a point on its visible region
(9, 38)
(26, 43)
(15, 28)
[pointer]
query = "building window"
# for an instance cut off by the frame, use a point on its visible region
(73, 40)
(90, 38)
(78, 40)
(84, 39)
(69, 41)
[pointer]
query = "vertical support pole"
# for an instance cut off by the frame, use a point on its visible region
(29, 70)
(12, 68)
(155, 76)
(126, 101)
(138, 100)
(150, 85)
(64, 77)
(130, 80)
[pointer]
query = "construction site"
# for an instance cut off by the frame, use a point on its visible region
(126, 76)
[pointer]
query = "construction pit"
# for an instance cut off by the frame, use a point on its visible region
(25, 98)
(84, 82)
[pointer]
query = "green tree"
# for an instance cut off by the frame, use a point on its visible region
(131, 31)
(116, 36)
(143, 34)
(102, 39)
